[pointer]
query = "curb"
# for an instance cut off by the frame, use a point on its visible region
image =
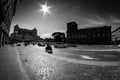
(23, 73)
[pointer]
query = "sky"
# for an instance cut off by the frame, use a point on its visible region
(86, 13)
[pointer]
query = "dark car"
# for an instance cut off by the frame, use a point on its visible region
(60, 45)
(72, 45)
(18, 44)
(41, 44)
(26, 43)
(48, 49)
(33, 43)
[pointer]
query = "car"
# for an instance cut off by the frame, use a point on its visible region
(72, 45)
(18, 44)
(118, 45)
(33, 43)
(41, 44)
(26, 43)
(60, 45)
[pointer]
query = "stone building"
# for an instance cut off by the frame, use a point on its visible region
(116, 36)
(8, 9)
(21, 34)
(94, 35)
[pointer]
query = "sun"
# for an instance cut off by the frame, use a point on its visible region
(45, 9)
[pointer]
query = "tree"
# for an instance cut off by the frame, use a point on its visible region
(59, 37)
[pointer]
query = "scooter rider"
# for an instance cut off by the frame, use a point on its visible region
(48, 48)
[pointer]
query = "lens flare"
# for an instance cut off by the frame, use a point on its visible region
(45, 8)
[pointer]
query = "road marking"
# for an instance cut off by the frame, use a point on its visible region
(68, 53)
(86, 62)
(87, 57)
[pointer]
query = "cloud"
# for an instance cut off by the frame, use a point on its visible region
(63, 31)
(60, 31)
(49, 35)
(101, 21)
(114, 19)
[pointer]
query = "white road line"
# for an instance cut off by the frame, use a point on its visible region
(87, 57)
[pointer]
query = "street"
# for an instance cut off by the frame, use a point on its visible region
(69, 63)
(59, 40)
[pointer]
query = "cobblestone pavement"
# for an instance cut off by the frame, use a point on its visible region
(41, 66)
(91, 54)
(9, 65)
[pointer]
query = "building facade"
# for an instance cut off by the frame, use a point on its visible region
(20, 35)
(8, 8)
(116, 36)
(94, 35)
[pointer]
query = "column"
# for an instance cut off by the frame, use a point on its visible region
(3, 39)
(0, 36)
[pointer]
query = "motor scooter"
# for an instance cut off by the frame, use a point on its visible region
(48, 49)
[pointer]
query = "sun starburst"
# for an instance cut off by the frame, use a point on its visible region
(45, 8)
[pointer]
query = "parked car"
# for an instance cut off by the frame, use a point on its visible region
(33, 43)
(41, 44)
(118, 45)
(18, 44)
(60, 45)
(26, 43)
(72, 45)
